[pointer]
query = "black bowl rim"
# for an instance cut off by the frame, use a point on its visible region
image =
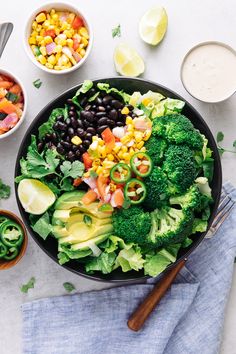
(192, 247)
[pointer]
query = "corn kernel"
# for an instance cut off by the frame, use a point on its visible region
(99, 170)
(102, 151)
(131, 151)
(116, 148)
(106, 173)
(41, 17)
(147, 134)
(39, 39)
(125, 110)
(120, 155)
(58, 55)
(143, 149)
(110, 157)
(69, 42)
(95, 138)
(82, 52)
(108, 164)
(84, 41)
(43, 50)
(97, 162)
(42, 59)
(52, 12)
(42, 32)
(76, 140)
(58, 49)
(32, 40)
(49, 66)
(124, 148)
(34, 25)
(129, 120)
(68, 33)
(138, 136)
(146, 101)
(52, 59)
(126, 156)
(101, 142)
(125, 139)
(71, 17)
(140, 144)
(48, 39)
(130, 128)
(112, 187)
(83, 31)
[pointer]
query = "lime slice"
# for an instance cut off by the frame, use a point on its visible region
(153, 25)
(35, 196)
(127, 61)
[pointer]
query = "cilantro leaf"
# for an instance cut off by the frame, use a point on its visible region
(69, 287)
(37, 83)
(5, 190)
(74, 169)
(234, 143)
(116, 32)
(30, 285)
(43, 226)
(220, 137)
(47, 127)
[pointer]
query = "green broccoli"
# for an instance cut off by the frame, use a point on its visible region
(132, 224)
(157, 189)
(180, 168)
(199, 225)
(169, 225)
(188, 200)
(155, 147)
(178, 129)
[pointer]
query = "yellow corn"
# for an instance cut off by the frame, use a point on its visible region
(101, 142)
(125, 110)
(124, 148)
(99, 170)
(42, 59)
(108, 164)
(129, 120)
(46, 24)
(126, 156)
(95, 138)
(120, 155)
(58, 55)
(52, 12)
(138, 136)
(69, 42)
(69, 33)
(54, 16)
(58, 49)
(130, 127)
(52, 59)
(83, 31)
(39, 39)
(48, 40)
(106, 173)
(76, 140)
(82, 52)
(34, 25)
(49, 66)
(116, 148)
(32, 40)
(41, 17)
(84, 41)
(146, 101)
(140, 144)
(43, 50)
(110, 157)
(146, 135)
(125, 139)
(131, 151)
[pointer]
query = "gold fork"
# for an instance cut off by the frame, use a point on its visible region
(140, 315)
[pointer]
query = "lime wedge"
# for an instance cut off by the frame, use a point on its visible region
(35, 196)
(127, 61)
(153, 25)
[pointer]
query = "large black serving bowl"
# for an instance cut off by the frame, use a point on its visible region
(129, 85)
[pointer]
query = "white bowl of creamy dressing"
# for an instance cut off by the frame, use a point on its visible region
(208, 71)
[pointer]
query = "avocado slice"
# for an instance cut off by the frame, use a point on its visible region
(82, 217)
(69, 200)
(92, 209)
(82, 246)
(80, 232)
(59, 231)
(62, 215)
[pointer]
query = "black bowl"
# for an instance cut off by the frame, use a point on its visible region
(129, 85)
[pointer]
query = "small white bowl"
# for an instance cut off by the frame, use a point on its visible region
(60, 6)
(17, 81)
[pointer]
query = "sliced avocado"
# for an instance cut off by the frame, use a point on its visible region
(82, 217)
(80, 232)
(69, 200)
(82, 246)
(62, 215)
(59, 231)
(92, 209)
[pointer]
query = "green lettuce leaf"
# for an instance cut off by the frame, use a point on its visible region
(106, 87)
(47, 127)
(130, 258)
(43, 226)
(103, 263)
(86, 86)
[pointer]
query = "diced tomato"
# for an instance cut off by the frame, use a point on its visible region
(7, 106)
(143, 169)
(118, 196)
(77, 182)
(5, 78)
(87, 160)
(50, 32)
(89, 197)
(6, 84)
(16, 89)
(109, 138)
(102, 183)
(77, 22)
(75, 44)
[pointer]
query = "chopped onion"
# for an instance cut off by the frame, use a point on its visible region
(130, 143)
(91, 182)
(76, 56)
(138, 111)
(66, 50)
(118, 143)
(107, 198)
(118, 132)
(112, 201)
(50, 48)
(139, 190)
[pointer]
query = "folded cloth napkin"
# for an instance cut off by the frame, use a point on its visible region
(188, 320)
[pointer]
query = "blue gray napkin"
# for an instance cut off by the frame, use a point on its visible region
(188, 320)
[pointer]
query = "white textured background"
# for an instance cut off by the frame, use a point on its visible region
(190, 22)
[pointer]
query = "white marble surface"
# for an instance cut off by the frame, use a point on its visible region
(190, 22)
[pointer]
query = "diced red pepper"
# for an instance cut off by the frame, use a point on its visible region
(77, 182)
(87, 160)
(75, 44)
(89, 197)
(77, 22)
(102, 183)
(50, 32)
(7, 106)
(109, 139)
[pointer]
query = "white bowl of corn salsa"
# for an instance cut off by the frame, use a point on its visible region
(58, 38)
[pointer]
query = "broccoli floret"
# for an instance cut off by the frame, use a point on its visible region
(199, 225)
(157, 189)
(178, 129)
(169, 225)
(132, 224)
(155, 147)
(188, 200)
(180, 168)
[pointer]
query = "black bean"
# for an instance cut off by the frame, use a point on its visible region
(49, 144)
(60, 118)
(60, 149)
(54, 137)
(82, 149)
(86, 143)
(56, 126)
(91, 130)
(100, 129)
(101, 109)
(91, 92)
(108, 108)
(87, 108)
(80, 132)
(83, 101)
(117, 104)
(87, 124)
(111, 123)
(72, 114)
(67, 138)
(74, 122)
(71, 132)
(113, 114)
(102, 121)
(80, 123)
(72, 108)
(74, 148)
(130, 107)
(98, 101)
(88, 136)
(48, 137)
(66, 145)
(70, 156)
(40, 146)
(62, 126)
(100, 114)
(89, 116)
(133, 115)
(120, 124)
(106, 100)
(77, 153)
(68, 121)
(69, 101)
(63, 134)
(93, 106)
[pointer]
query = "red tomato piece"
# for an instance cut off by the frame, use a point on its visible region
(77, 22)
(87, 160)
